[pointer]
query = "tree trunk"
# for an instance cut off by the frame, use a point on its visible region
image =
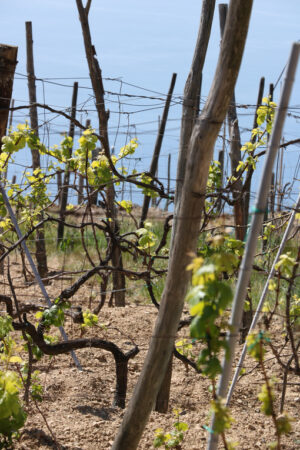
(40, 246)
(188, 219)
(97, 83)
(8, 62)
(158, 143)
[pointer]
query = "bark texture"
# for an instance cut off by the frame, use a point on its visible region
(103, 115)
(191, 94)
(40, 247)
(8, 62)
(187, 219)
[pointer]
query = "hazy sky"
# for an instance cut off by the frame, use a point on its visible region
(143, 43)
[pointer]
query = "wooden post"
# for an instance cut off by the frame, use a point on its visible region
(154, 202)
(158, 143)
(191, 96)
(65, 187)
(81, 178)
(11, 113)
(248, 180)
(163, 396)
(32, 92)
(103, 116)
(280, 192)
(8, 62)
(200, 153)
(40, 247)
(190, 107)
(169, 182)
(266, 215)
(221, 161)
(235, 148)
(272, 196)
(59, 186)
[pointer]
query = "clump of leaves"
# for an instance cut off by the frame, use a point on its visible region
(208, 299)
(12, 414)
(174, 438)
(89, 319)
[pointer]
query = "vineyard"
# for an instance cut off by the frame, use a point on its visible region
(140, 310)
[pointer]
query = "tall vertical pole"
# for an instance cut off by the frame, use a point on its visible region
(158, 143)
(32, 92)
(169, 182)
(65, 187)
(80, 185)
(8, 62)
(255, 228)
(235, 149)
(40, 245)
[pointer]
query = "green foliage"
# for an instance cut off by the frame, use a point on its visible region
(286, 264)
(223, 420)
(12, 415)
(146, 179)
(214, 183)
(90, 319)
(5, 326)
(171, 439)
(36, 389)
(129, 149)
(255, 347)
(147, 239)
(54, 315)
(184, 347)
(266, 396)
(209, 297)
(265, 119)
(126, 205)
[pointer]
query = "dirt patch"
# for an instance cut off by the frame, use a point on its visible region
(78, 407)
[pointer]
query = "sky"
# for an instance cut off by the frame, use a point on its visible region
(139, 45)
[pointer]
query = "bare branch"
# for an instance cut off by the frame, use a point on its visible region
(87, 7)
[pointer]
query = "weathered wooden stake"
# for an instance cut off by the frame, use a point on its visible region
(103, 116)
(248, 180)
(80, 185)
(8, 62)
(158, 143)
(169, 181)
(188, 217)
(235, 148)
(65, 187)
(191, 97)
(40, 252)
